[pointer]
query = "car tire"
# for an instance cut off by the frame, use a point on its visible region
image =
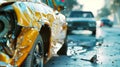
(35, 57)
(69, 31)
(63, 49)
(110, 26)
(94, 32)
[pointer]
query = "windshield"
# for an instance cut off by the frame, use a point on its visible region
(81, 14)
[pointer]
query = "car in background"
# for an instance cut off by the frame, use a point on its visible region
(107, 22)
(81, 20)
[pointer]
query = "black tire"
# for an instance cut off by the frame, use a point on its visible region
(63, 49)
(94, 32)
(35, 57)
(69, 32)
(110, 26)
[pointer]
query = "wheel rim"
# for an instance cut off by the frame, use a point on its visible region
(38, 56)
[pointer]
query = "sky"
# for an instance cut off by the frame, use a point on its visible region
(92, 5)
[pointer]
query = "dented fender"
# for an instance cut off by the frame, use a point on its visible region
(21, 24)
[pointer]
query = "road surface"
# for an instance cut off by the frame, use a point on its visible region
(108, 54)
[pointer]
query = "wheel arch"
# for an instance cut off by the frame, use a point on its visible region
(45, 33)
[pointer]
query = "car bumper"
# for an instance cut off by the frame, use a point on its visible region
(82, 28)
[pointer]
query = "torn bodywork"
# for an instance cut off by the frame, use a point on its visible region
(20, 25)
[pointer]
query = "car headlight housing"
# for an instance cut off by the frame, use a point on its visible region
(92, 24)
(4, 26)
(8, 20)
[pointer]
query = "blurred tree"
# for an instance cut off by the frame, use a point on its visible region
(115, 5)
(69, 4)
(115, 8)
(104, 12)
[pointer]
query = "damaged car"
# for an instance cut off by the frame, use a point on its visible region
(30, 33)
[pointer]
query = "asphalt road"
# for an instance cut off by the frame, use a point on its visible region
(107, 54)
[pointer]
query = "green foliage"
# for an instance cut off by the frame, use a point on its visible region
(69, 4)
(104, 12)
(117, 2)
(115, 5)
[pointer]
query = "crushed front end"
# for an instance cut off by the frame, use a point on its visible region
(17, 34)
(8, 33)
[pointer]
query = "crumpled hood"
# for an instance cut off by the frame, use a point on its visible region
(29, 15)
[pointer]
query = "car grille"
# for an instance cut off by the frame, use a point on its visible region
(77, 24)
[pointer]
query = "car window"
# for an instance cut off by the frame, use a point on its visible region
(81, 14)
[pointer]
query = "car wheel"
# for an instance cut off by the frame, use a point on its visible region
(110, 26)
(94, 32)
(63, 50)
(69, 31)
(35, 57)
